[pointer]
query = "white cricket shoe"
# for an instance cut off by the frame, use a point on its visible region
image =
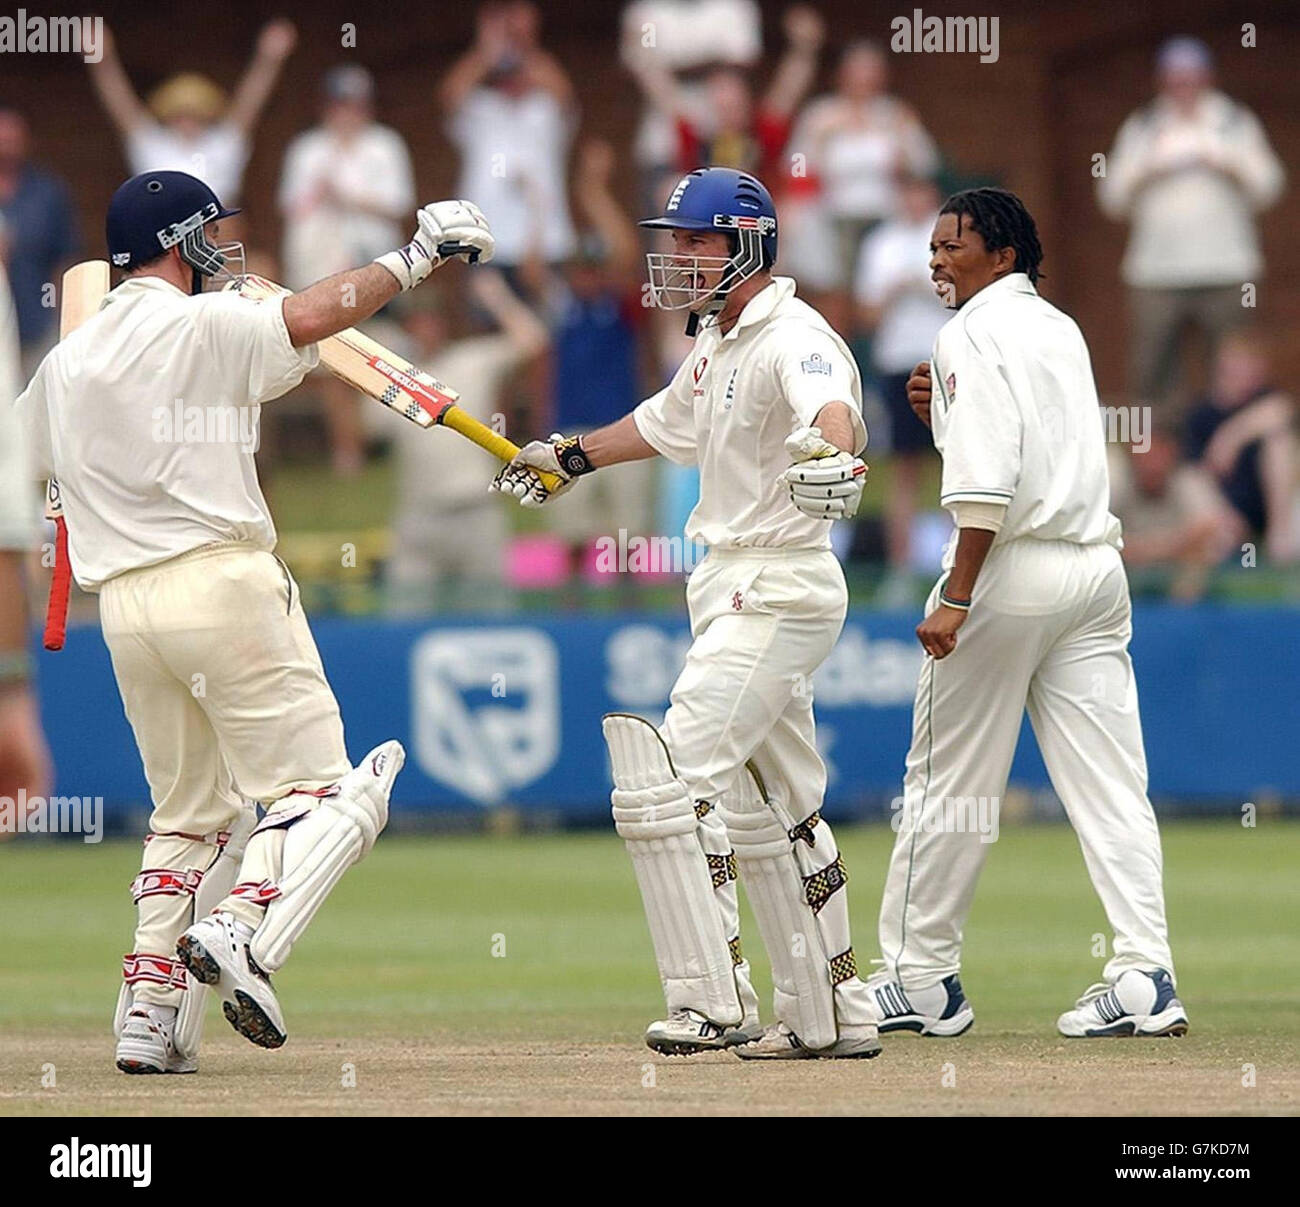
(685, 1032)
(215, 952)
(941, 1009)
(780, 1043)
(1138, 1003)
(147, 1043)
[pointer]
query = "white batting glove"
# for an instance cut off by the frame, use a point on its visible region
(560, 455)
(824, 482)
(446, 229)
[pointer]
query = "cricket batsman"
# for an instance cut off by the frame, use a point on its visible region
(1032, 611)
(768, 405)
(217, 670)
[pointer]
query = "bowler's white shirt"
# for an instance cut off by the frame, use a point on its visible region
(100, 415)
(1015, 416)
(730, 407)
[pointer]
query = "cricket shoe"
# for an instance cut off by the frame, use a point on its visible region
(940, 1009)
(780, 1043)
(1138, 1003)
(685, 1032)
(147, 1043)
(215, 952)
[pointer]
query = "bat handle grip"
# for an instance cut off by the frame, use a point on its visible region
(56, 612)
(447, 250)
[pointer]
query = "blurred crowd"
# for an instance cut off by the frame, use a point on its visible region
(557, 334)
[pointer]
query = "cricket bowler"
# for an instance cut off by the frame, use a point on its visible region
(1032, 611)
(218, 673)
(732, 779)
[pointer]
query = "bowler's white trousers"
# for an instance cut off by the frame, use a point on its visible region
(1048, 629)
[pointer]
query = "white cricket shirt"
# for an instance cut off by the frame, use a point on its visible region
(730, 407)
(1015, 416)
(148, 416)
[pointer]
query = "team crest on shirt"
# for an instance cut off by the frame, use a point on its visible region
(816, 363)
(698, 373)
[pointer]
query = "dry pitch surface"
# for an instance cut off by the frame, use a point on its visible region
(972, 1076)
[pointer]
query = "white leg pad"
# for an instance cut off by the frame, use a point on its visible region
(801, 966)
(656, 819)
(817, 909)
(216, 881)
(320, 844)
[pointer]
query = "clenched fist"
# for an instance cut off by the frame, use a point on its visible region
(825, 482)
(447, 229)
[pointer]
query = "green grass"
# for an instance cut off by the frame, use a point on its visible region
(405, 945)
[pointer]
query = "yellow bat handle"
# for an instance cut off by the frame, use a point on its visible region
(502, 449)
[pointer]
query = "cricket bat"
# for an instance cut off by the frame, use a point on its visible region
(368, 366)
(84, 287)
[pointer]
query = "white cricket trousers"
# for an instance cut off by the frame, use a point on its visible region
(763, 621)
(228, 701)
(222, 684)
(1048, 630)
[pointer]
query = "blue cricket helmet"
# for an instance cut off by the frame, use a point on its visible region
(713, 199)
(155, 211)
(722, 199)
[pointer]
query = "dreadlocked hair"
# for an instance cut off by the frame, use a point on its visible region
(1002, 221)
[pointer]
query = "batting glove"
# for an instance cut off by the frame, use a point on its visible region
(447, 229)
(560, 455)
(824, 482)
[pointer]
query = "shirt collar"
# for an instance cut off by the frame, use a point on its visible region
(763, 304)
(1013, 282)
(134, 284)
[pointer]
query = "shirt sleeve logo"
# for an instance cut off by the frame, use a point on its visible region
(816, 363)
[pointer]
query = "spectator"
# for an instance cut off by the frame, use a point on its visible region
(38, 236)
(898, 306)
(595, 354)
(686, 38)
(1172, 512)
(345, 190)
(728, 129)
(450, 533)
(1243, 434)
(856, 140)
(188, 125)
(512, 115)
(1188, 171)
(24, 760)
